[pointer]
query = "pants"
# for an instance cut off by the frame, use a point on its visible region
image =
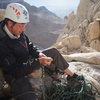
(58, 62)
(58, 65)
(22, 87)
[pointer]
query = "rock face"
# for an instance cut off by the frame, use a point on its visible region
(80, 41)
(85, 24)
(93, 58)
(87, 64)
(93, 33)
(91, 72)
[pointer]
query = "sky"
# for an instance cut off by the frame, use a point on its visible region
(60, 7)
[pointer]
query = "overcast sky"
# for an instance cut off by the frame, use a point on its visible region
(60, 7)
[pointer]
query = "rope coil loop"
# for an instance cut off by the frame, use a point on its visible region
(67, 91)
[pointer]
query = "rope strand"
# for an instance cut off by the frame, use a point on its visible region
(65, 91)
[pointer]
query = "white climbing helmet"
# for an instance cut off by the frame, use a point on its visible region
(17, 13)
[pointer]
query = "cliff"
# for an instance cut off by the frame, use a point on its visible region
(84, 27)
(80, 41)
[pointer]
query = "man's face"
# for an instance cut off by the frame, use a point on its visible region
(17, 28)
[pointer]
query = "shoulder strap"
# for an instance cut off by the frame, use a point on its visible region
(2, 35)
(2, 32)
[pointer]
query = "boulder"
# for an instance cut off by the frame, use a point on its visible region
(95, 44)
(94, 31)
(58, 45)
(97, 15)
(92, 57)
(72, 42)
(85, 49)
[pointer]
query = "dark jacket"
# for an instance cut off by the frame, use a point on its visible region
(17, 56)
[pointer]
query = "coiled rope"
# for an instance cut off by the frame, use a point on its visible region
(67, 91)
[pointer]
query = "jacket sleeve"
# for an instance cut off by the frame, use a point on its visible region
(12, 67)
(33, 50)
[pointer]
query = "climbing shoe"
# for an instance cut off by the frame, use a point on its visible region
(75, 76)
(75, 80)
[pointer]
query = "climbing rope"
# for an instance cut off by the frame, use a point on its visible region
(65, 91)
(68, 91)
(43, 81)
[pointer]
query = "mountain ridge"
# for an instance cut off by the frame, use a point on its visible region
(42, 23)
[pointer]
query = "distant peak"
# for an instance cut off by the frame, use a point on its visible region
(43, 8)
(8, 1)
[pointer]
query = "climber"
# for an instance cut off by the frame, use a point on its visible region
(19, 57)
